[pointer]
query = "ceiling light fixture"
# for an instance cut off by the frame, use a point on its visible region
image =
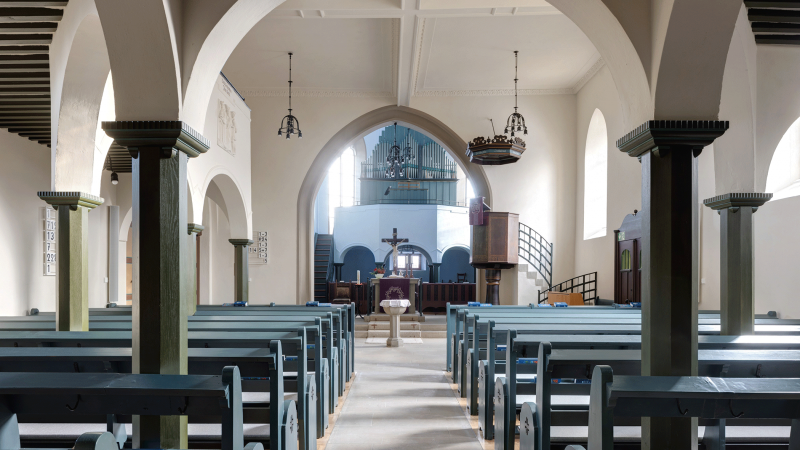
(504, 148)
(114, 176)
(290, 125)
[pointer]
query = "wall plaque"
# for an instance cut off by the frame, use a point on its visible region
(258, 251)
(49, 228)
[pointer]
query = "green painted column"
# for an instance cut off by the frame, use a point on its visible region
(72, 257)
(195, 229)
(160, 152)
(737, 305)
(667, 151)
(241, 272)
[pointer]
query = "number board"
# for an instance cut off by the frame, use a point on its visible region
(49, 229)
(258, 251)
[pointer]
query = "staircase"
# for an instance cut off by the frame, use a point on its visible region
(323, 257)
(377, 326)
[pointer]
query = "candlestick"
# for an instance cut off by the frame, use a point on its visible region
(358, 276)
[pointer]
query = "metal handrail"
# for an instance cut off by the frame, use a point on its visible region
(585, 284)
(535, 249)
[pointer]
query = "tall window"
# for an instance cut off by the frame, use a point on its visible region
(783, 178)
(595, 186)
(341, 184)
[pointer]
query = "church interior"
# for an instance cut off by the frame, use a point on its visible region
(399, 224)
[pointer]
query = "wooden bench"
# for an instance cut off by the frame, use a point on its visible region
(293, 344)
(312, 324)
(92, 398)
(715, 400)
(524, 348)
(568, 365)
(261, 369)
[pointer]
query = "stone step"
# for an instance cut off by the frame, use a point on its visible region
(403, 318)
(363, 326)
(385, 326)
(385, 334)
(425, 334)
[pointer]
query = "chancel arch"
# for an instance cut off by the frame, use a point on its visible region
(361, 126)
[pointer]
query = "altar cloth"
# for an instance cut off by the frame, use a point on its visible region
(395, 303)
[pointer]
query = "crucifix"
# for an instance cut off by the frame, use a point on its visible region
(394, 242)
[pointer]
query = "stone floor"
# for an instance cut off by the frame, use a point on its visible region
(401, 399)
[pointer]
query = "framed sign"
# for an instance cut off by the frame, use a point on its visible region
(49, 231)
(258, 251)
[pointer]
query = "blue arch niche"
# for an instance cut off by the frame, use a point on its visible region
(357, 258)
(454, 261)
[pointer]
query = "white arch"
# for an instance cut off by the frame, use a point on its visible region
(783, 177)
(365, 124)
(238, 215)
(77, 152)
(595, 176)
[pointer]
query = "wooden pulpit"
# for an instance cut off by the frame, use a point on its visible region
(495, 245)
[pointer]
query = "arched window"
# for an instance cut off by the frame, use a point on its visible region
(783, 178)
(595, 190)
(341, 183)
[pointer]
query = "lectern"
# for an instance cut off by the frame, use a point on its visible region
(495, 244)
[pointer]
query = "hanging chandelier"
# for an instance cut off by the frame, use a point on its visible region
(503, 148)
(397, 158)
(290, 125)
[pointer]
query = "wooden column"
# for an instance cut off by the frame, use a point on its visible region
(667, 151)
(493, 286)
(737, 315)
(436, 272)
(113, 254)
(241, 273)
(72, 257)
(191, 286)
(160, 151)
(337, 271)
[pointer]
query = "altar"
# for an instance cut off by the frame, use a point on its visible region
(389, 288)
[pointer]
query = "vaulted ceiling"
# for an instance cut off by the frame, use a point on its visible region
(26, 31)
(402, 49)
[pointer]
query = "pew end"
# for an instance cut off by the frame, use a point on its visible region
(97, 441)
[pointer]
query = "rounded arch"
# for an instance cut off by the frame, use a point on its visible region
(455, 260)
(595, 178)
(783, 176)
(355, 245)
(364, 124)
(611, 40)
(238, 217)
(411, 245)
(464, 247)
(79, 149)
(354, 258)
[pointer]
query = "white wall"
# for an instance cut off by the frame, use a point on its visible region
(434, 228)
(776, 254)
(624, 181)
(25, 169)
(540, 187)
(217, 255)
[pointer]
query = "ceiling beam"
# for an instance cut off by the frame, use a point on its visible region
(406, 54)
(25, 39)
(770, 27)
(772, 3)
(773, 15)
(25, 50)
(29, 27)
(778, 39)
(22, 14)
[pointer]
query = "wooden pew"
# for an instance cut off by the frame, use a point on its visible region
(554, 364)
(524, 348)
(717, 400)
(312, 324)
(293, 343)
(261, 369)
(91, 398)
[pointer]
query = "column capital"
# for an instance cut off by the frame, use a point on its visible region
(241, 241)
(169, 135)
(71, 199)
(663, 135)
(195, 228)
(735, 200)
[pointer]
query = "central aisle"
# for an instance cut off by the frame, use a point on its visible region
(401, 399)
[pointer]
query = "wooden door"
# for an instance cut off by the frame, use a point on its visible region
(626, 275)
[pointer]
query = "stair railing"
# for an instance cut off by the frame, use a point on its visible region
(535, 249)
(585, 284)
(330, 272)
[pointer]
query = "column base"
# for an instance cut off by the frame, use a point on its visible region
(394, 342)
